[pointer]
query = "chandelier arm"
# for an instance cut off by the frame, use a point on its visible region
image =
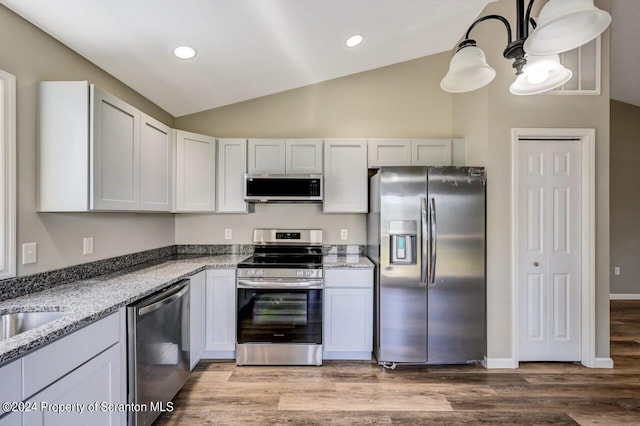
(528, 19)
(485, 18)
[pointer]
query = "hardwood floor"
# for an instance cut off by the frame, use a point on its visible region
(358, 393)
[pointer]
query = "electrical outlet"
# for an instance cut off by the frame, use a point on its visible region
(228, 234)
(616, 270)
(344, 234)
(87, 245)
(29, 253)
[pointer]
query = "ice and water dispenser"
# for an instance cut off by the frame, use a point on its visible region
(404, 236)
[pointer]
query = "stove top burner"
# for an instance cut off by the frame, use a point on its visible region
(290, 249)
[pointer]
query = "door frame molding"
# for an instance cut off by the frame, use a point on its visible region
(586, 138)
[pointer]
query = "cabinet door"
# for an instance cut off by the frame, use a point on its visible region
(389, 152)
(266, 156)
(220, 326)
(13, 419)
(196, 313)
(115, 151)
(98, 380)
(195, 172)
(431, 152)
(156, 165)
(232, 165)
(303, 156)
(348, 323)
(345, 176)
(11, 379)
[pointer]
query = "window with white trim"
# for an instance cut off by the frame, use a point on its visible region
(7, 175)
(585, 63)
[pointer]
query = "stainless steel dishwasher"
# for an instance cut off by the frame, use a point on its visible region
(158, 352)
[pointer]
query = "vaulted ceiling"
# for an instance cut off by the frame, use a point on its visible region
(251, 48)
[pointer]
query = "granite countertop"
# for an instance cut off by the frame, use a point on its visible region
(89, 300)
(337, 261)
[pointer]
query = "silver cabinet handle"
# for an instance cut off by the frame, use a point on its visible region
(433, 242)
(172, 295)
(423, 222)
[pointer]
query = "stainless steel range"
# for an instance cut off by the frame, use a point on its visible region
(280, 299)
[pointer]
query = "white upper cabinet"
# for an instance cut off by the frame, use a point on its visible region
(266, 156)
(115, 144)
(232, 165)
(280, 156)
(345, 176)
(96, 152)
(156, 165)
(389, 152)
(409, 152)
(195, 172)
(303, 156)
(430, 152)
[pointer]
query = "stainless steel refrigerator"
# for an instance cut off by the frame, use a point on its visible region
(426, 236)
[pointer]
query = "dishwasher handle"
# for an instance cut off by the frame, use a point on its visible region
(164, 298)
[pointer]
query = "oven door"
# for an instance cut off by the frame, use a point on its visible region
(279, 311)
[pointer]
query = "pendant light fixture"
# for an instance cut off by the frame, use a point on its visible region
(563, 25)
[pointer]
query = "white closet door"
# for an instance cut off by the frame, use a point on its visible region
(549, 235)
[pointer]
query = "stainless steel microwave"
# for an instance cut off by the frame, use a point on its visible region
(277, 188)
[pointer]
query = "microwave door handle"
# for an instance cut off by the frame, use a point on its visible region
(433, 242)
(424, 241)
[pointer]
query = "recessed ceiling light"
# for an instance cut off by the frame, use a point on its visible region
(184, 52)
(354, 40)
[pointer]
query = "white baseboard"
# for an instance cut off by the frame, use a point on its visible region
(495, 363)
(624, 296)
(602, 363)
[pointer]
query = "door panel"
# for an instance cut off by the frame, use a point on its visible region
(549, 200)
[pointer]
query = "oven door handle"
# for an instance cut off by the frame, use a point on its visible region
(279, 283)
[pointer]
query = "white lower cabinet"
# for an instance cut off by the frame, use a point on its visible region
(196, 316)
(71, 400)
(220, 314)
(348, 314)
(13, 419)
(61, 382)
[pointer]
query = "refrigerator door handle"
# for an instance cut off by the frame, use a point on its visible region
(424, 225)
(433, 241)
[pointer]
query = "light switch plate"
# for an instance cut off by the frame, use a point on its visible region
(29, 253)
(87, 245)
(228, 234)
(616, 270)
(344, 234)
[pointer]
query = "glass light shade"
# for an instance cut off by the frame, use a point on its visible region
(540, 74)
(566, 24)
(468, 71)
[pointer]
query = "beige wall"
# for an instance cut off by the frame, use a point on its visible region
(490, 134)
(32, 55)
(402, 100)
(625, 197)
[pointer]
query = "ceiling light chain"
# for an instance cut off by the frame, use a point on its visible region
(562, 25)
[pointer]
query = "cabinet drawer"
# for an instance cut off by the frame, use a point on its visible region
(348, 278)
(11, 380)
(53, 361)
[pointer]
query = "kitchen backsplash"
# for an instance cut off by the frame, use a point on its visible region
(16, 287)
